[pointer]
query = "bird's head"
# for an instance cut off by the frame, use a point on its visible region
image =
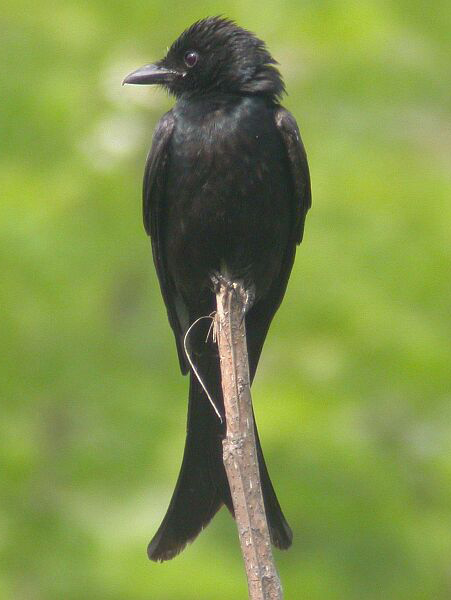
(214, 55)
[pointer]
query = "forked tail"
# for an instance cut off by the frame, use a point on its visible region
(202, 485)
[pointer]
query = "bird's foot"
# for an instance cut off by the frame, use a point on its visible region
(249, 299)
(218, 280)
(247, 294)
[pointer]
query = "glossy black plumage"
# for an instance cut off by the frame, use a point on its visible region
(226, 190)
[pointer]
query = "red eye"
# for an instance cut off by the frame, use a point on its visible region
(191, 58)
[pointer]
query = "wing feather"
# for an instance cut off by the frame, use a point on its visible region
(259, 318)
(300, 174)
(153, 210)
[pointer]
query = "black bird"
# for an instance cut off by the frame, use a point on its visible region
(226, 191)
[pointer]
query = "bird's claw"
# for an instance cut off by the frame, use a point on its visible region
(219, 280)
(248, 301)
(247, 294)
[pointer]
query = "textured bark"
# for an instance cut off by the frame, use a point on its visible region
(239, 449)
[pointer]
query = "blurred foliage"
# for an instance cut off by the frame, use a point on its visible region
(353, 392)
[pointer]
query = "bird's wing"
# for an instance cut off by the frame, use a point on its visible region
(297, 159)
(153, 199)
(260, 317)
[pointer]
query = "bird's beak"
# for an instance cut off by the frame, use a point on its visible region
(149, 75)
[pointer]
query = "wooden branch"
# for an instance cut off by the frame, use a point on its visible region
(239, 447)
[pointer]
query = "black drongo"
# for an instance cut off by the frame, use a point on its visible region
(226, 191)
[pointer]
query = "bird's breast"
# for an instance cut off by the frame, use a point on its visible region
(227, 190)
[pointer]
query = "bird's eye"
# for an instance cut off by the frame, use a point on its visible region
(191, 57)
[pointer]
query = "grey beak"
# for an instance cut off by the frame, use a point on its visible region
(150, 75)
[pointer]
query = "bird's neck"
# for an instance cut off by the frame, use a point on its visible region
(210, 102)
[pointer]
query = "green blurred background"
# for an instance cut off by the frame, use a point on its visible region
(353, 392)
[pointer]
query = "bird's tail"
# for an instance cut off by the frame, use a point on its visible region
(202, 485)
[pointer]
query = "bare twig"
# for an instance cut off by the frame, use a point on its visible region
(239, 447)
